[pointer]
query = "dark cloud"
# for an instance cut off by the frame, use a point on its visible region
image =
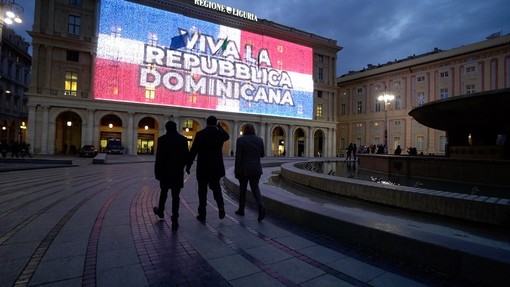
(378, 31)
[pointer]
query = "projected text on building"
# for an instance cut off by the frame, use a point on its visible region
(147, 55)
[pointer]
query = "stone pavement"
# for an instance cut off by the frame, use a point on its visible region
(90, 224)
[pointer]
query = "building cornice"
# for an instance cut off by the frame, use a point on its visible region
(434, 56)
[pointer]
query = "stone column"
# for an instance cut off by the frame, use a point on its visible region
(290, 141)
(31, 128)
(45, 130)
(131, 134)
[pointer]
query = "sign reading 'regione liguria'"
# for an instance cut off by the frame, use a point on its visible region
(147, 55)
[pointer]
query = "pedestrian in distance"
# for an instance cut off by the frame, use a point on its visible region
(248, 169)
(171, 158)
(349, 152)
(207, 147)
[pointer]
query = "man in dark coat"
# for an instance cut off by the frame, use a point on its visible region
(207, 147)
(249, 150)
(171, 158)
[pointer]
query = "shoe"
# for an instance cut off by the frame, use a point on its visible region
(240, 212)
(201, 218)
(221, 213)
(159, 214)
(262, 214)
(175, 222)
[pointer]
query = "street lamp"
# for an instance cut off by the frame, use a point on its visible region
(386, 99)
(10, 12)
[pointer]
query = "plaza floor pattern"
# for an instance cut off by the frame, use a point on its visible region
(93, 225)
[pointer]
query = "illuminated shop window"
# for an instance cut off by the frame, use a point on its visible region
(71, 83)
(73, 24)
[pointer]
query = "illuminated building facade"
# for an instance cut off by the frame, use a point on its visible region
(15, 63)
(414, 81)
(116, 69)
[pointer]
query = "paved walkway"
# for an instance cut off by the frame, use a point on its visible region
(92, 225)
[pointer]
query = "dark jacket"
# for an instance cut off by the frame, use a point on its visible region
(249, 150)
(208, 148)
(171, 158)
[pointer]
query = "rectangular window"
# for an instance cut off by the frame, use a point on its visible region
(378, 106)
(320, 58)
(442, 143)
(343, 109)
(421, 98)
(470, 89)
(71, 83)
(319, 94)
(360, 107)
(150, 92)
(72, 56)
(73, 24)
(398, 103)
(7, 101)
(320, 74)
(443, 74)
(75, 2)
(470, 69)
(421, 79)
(319, 110)
(420, 143)
(360, 90)
(377, 140)
(443, 94)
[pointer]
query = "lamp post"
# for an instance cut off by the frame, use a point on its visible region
(386, 99)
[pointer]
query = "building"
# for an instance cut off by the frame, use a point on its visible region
(414, 81)
(15, 63)
(116, 69)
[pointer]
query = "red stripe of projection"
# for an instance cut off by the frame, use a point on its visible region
(121, 82)
(284, 55)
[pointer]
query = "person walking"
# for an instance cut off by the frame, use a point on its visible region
(247, 168)
(207, 148)
(171, 159)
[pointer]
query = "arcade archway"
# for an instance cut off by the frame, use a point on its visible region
(68, 130)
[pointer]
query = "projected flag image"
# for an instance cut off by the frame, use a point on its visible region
(152, 56)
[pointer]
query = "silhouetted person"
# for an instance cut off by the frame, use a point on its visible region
(4, 148)
(398, 150)
(15, 149)
(349, 152)
(207, 147)
(171, 158)
(249, 150)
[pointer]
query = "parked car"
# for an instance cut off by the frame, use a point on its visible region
(114, 146)
(88, 151)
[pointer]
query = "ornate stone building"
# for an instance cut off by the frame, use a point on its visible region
(15, 63)
(115, 69)
(415, 81)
